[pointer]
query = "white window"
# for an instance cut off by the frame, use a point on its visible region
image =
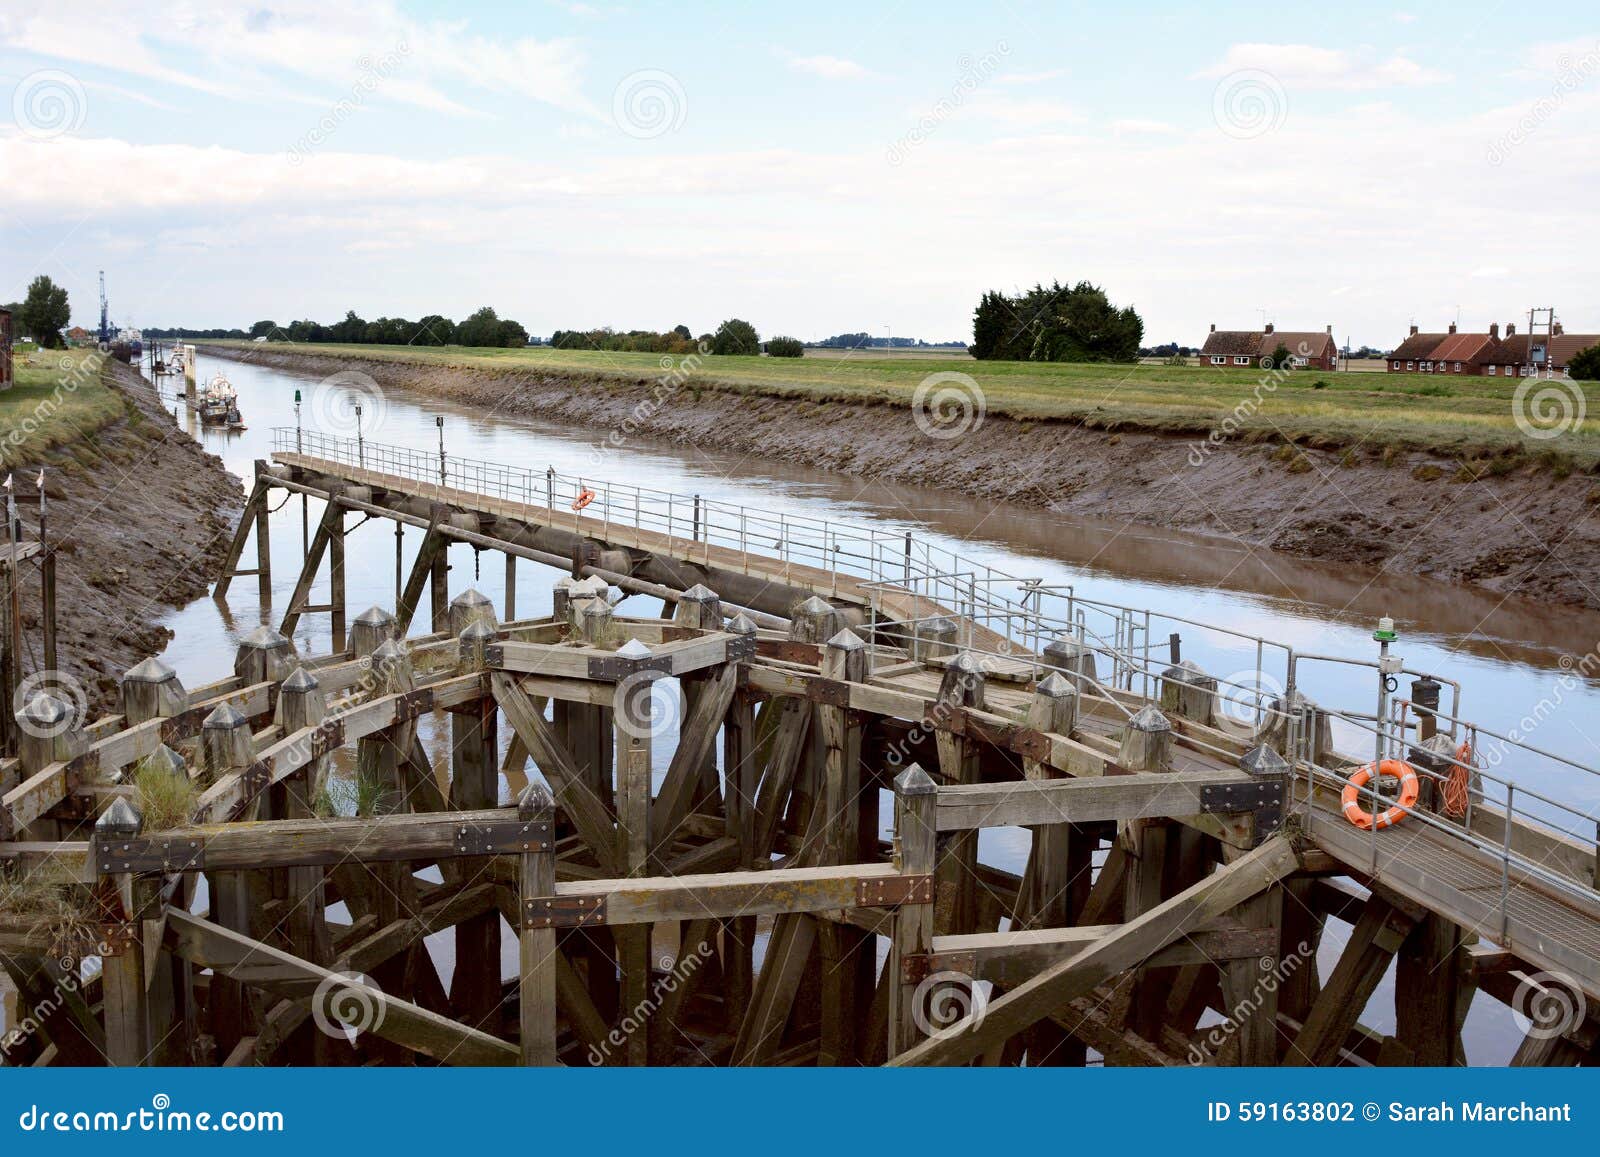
(1241, 360)
(1218, 360)
(1396, 365)
(1426, 366)
(1411, 365)
(1299, 361)
(1494, 371)
(1458, 367)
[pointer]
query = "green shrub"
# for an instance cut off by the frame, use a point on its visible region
(785, 347)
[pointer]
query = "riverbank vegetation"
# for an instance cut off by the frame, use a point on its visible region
(1475, 418)
(58, 397)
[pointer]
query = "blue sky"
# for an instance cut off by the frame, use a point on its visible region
(815, 168)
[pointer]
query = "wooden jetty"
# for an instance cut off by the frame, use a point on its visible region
(779, 864)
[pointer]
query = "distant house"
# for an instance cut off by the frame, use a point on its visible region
(77, 335)
(1527, 354)
(1250, 347)
(1487, 354)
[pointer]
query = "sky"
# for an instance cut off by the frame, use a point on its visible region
(816, 169)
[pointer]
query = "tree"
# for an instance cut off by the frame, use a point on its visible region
(481, 329)
(683, 332)
(785, 347)
(1278, 359)
(1055, 324)
(1585, 365)
(264, 329)
(435, 329)
(510, 334)
(351, 330)
(736, 336)
(45, 312)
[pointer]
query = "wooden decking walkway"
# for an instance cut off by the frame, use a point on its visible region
(899, 605)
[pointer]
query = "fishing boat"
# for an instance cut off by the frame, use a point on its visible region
(219, 405)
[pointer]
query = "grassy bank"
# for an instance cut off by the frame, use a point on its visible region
(1475, 417)
(58, 397)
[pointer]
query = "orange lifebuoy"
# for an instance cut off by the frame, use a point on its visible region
(583, 500)
(1395, 769)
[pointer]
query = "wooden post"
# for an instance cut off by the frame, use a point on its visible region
(916, 799)
(633, 851)
(1061, 866)
(956, 910)
(373, 628)
(742, 777)
(1146, 741)
(225, 747)
(475, 783)
(152, 690)
(538, 948)
(47, 608)
(337, 602)
(263, 516)
(122, 968)
(848, 961)
(511, 587)
(264, 656)
(332, 522)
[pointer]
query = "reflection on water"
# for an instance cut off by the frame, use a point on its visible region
(1508, 653)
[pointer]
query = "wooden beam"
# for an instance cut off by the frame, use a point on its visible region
(251, 962)
(1135, 942)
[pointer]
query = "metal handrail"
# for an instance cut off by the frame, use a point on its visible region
(973, 591)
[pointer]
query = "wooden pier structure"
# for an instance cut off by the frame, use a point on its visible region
(747, 829)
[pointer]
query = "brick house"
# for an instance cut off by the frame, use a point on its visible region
(1525, 354)
(1450, 352)
(1485, 354)
(1246, 347)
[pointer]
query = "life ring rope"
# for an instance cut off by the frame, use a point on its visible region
(1458, 784)
(1350, 799)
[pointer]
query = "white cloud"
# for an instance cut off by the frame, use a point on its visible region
(1019, 112)
(829, 67)
(1030, 77)
(237, 48)
(1134, 126)
(1490, 271)
(1307, 66)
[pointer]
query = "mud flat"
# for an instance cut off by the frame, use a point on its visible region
(1529, 531)
(139, 516)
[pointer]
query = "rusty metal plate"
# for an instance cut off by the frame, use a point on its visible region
(829, 692)
(1031, 744)
(327, 738)
(184, 725)
(614, 668)
(117, 939)
(1251, 795)
(892, 891)
(741, 648)
(413, 704)
(499, 837)
(150, 855)
(563, 912)
(808, 654)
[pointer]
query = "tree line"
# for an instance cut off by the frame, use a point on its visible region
(1055, 324)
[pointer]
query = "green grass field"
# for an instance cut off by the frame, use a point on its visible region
(57, 397)
(1471, 416)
